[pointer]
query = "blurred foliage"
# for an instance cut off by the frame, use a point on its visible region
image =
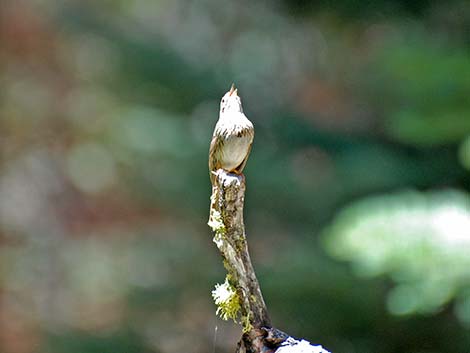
(106, 113)
(357, 9)
(428, 103)
(421, 240)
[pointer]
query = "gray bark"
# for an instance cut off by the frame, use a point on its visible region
(226, 219)
(228, 195)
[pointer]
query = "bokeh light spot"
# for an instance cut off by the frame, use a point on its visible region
(402, 300)
(91, 167)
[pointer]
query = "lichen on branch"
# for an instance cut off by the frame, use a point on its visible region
(226, 220)
(239, 298)
(227, 301)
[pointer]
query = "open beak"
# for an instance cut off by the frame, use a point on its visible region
(233, 90)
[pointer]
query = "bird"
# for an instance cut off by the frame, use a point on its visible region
(232, 138)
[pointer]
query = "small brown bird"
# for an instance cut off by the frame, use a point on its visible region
(232, 138)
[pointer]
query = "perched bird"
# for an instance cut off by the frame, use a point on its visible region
(232, 137)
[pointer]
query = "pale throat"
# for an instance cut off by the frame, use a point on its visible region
(233, 122)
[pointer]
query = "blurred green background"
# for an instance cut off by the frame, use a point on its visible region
(357, 207)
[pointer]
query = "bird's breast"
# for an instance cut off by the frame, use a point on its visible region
(235, 134)
(235, 150)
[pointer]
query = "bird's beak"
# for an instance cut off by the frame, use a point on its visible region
(232, 90)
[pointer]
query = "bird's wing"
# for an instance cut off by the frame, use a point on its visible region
(214, 158)
(214, 161)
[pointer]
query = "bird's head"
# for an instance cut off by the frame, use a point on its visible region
(231, 102)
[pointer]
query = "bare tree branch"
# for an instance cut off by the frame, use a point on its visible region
(226, 219)
(240, 296)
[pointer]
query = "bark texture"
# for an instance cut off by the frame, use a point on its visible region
(226, 220)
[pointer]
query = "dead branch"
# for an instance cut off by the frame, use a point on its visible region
(241, 298)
